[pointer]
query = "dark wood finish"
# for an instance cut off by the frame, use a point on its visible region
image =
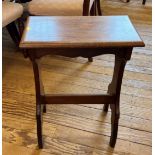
(39, 100)
(38, 85)
(115, 88)
(79, 99)
(96, 36)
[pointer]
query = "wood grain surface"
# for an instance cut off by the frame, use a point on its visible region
(79, 31)
(80, 129)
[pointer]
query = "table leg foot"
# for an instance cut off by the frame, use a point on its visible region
(40, 144)
(113, 138)
(39, 129)
(105, 107)
(90, 59)
(44, 108)
(114, 125)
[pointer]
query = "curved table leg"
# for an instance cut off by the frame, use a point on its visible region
(115, 88)
(39, 101)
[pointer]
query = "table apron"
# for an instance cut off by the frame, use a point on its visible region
(123, 52)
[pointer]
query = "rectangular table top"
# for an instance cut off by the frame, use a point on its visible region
(79, 32)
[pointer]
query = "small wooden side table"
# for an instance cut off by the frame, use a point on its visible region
(86, 37)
